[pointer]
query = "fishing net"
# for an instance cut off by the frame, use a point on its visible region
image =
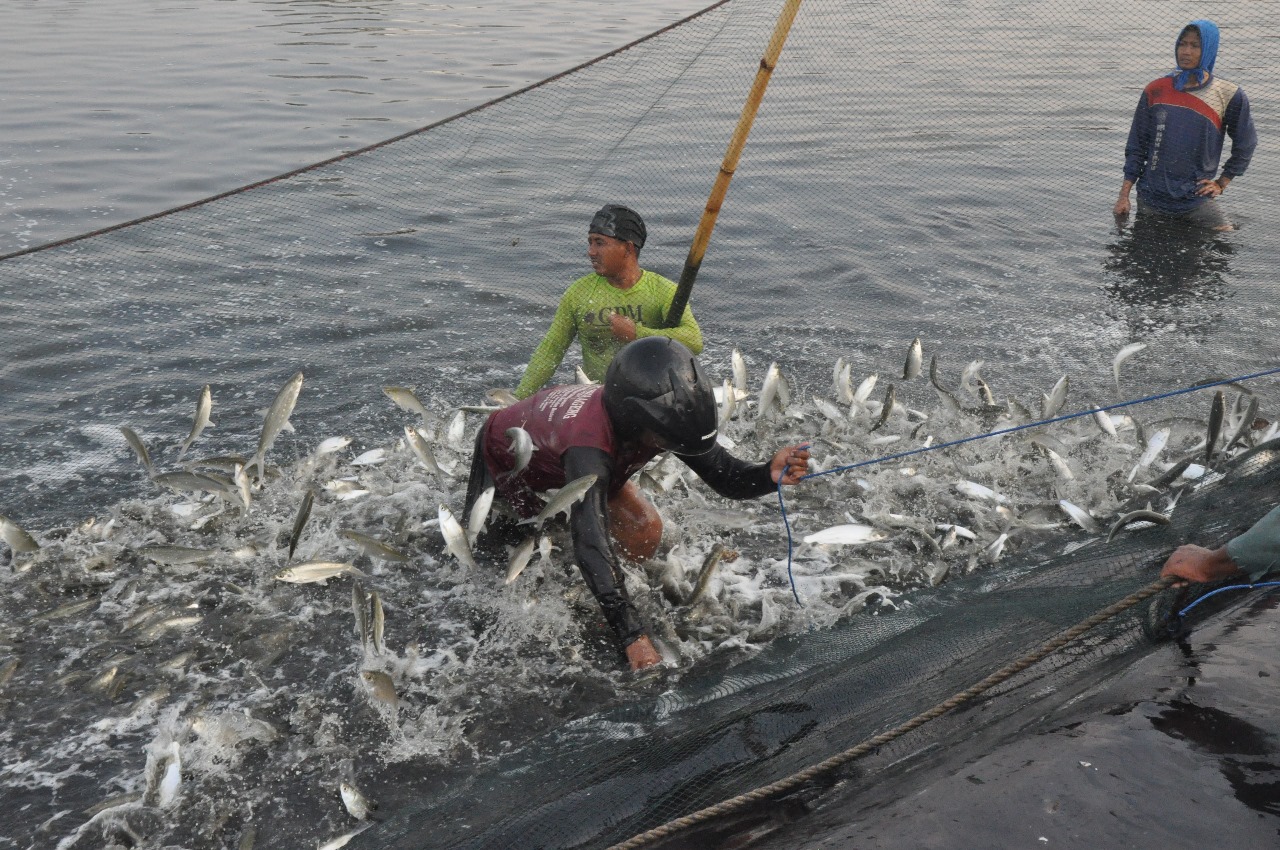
(941, 171)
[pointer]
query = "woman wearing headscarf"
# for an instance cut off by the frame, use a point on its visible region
(1177, 134)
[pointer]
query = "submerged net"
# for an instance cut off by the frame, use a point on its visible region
(936, 170)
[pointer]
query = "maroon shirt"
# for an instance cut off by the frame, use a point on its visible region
(557, 419)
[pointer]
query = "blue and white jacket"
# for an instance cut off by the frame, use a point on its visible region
(1178, 129)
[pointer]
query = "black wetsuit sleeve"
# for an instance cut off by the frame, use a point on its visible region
(589, 525)
(730, 477)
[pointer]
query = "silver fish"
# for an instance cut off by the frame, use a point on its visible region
(976, 491)
(568, 495)
(479, 515)
(1103, 420)
(276, 419)
(984, 391)
(339, 841)
(1137, 516)
(360, 607)
(545, 548)
(332, 444)
(520, 557)
(769, 390)
(501, 397)
(933, 375)
(1079, 516)
(1154, 446)
(1056, 398)
(139, 448)
(314, 571)
(844, 383)
(175, 555)
(864, 390)
(377, 622)
(995, 548)
(457, 430)
(728, 402)
(709, 564)
(380, 686)
(455, 538)
(739, 371)
(358, 805)
(1123, 355)
(581, 376)
(847, 535)
(1217, 413)
(890, 399)
(406, 400)
(1246, 424)
(421, 449)
(373, 547)
(19, 541)
(373, 457)
(915, 357)
(522, 448)
(241, 479)
(969, 376)
(203, 407)
(300, 521)
(196, 482)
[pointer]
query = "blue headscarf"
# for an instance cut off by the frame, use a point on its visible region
(1208, 54)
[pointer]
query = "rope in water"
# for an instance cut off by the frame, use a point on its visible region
(1037, 424)
(798, 779)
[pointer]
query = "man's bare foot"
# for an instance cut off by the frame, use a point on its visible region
(641, 654)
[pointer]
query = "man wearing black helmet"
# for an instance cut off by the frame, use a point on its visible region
(655, 398)
(617, 303)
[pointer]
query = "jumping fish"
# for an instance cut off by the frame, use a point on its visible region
(1154, 446)
(1217, 413)
(843, 381)
(316, 571)
(1246, 423)
(380, 686)
(479, 514)
(276, 419)
(520, 557)
(582, 377)
(915, 357)
(175, 555)
(455, 538)
(564, 499)
(728, 402)
(969, 375)
(545, 548)
(332, 444)
(203, 407)
(358, 805)
(739, 371)
(172, 778)
(139, 448)
(1103, 420)
(995, 548)
(19, 541)
(709, 564)
(1137, 516)
(373, 457)
(1079, 516)
(196, 482)
(360, 607)
(1123, 355)
(522, 449)
(1055, 399)
(848, 534)
(501, 397)
(404, 398)
(769, 390)
(864, 390)
(976, 491)
(299, 521)
(457, 430)
(933, 376)
(374, 548)
(377, 622)
(890, 399)
(421, 449)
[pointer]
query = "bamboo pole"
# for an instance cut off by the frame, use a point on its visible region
(702, 237)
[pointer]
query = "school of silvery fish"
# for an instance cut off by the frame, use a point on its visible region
(242, 555)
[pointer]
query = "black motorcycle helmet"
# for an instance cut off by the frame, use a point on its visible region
(655, 386)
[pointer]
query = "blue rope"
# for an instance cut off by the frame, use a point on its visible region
(1184, 611)
(1000, 433)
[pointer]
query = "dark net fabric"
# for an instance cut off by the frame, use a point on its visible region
(935, 170)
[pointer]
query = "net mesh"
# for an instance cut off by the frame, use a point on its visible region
(941, 170)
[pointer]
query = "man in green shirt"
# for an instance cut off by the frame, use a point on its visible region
(617, 303)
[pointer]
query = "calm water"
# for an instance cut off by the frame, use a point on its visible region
(909, 207)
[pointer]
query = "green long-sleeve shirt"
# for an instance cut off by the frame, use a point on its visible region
(1257, 551)
(584, 312)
